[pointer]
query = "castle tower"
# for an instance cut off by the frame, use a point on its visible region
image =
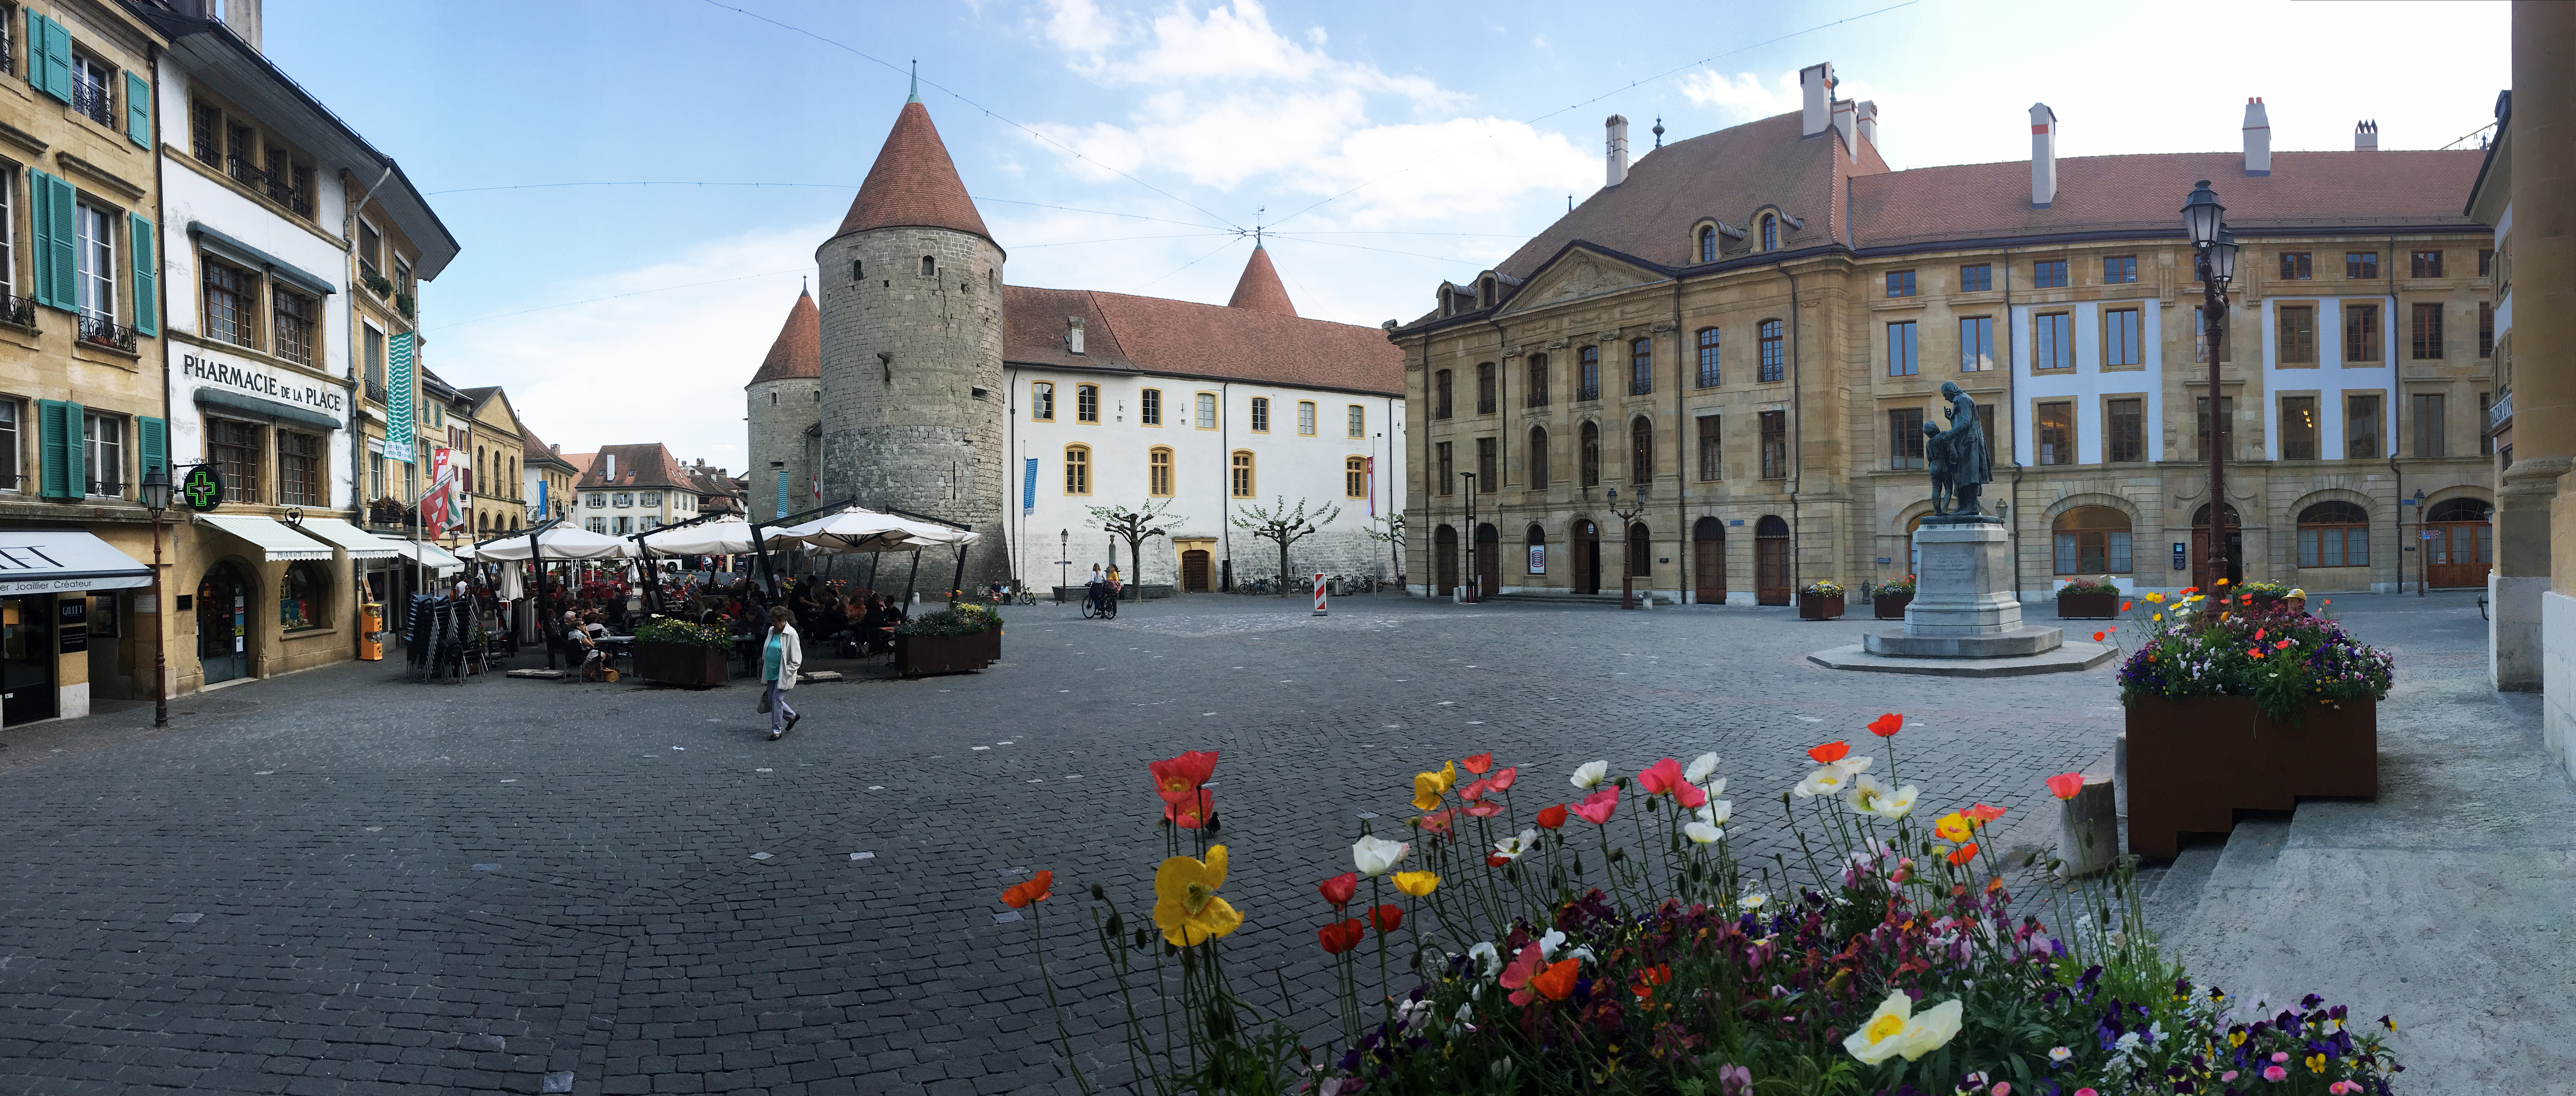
(911, 341)
(1259, 288)
(785, 413)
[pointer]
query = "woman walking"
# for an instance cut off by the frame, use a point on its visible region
(781, 656)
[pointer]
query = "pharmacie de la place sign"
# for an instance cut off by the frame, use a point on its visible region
(264, 382)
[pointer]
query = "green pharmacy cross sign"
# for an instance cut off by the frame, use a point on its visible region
(202, 488)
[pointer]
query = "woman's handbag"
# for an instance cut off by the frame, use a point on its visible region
(763, 709)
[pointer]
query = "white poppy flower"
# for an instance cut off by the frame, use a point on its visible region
(1753, 901)
(1830, 780)
(1375, 855)
(1702, 832)
(1700, 770)
(1717, 812)
(1853, 765)
(1548, 944)
(1486, 953)
(1868, 796)
(1589, 776)
(1512, 848)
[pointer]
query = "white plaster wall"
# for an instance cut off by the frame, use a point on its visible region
(2330, 378)
(2088, 382)
(1286, 464)
(2558, 677)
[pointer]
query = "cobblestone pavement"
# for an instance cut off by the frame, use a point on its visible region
(345, 881)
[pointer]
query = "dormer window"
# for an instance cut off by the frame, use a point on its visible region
(1770, 233)
(1708, 243)
(1485, 293)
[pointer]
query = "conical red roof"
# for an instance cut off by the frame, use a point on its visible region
(1259, 289)
(913, 184)
(798, 353)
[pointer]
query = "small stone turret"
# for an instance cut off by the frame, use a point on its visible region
(784, 410)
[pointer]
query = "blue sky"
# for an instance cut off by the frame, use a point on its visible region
(1393, 145)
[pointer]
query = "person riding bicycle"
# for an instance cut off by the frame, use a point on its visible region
(1092, 587)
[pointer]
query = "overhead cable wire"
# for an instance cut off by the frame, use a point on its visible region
(824, 186)
(617, 296)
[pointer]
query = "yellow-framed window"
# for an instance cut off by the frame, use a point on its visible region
(1355, 477)
(1077, 469)
(1158, 473)
(1239, 477)
(1086, 403)
(1042, 401)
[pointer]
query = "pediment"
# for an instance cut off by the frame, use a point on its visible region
(1579, 272)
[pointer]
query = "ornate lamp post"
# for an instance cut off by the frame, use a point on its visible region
(1627, 551)
(156, 498)
(1472, 572)
(2202, 219)
(1064, 558)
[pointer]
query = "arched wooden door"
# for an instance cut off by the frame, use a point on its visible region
(2462, 544)
(1489, 560)
(1194, 571)
(1771, 560)
(2200, 575)
(1444, 550)
(1587, 557)
(1640, 544)
(1708, 560)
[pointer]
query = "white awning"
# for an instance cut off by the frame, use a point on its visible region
(272, 537)
(64, 561)
(360, 543)
(434, 557)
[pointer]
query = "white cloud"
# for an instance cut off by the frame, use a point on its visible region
(1743, 96)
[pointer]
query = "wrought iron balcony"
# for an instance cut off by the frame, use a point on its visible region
(1641, 386)
(376, 389)
(1587, 392)
(18, 310)
(105, 332)
(91, 100)
(279, 190)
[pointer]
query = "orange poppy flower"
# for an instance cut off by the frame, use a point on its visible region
(2097, 636)
(1552, 817)
(2124, 606)
(1964, 853)
(1887, 725)
(1982, 814)
(1557, 981)
(1829, 753)
(1038, 889)
(1477, 764)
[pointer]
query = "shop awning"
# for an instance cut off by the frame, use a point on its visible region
(274, 539)
(437, 559)
(360, 543)
(64, 561)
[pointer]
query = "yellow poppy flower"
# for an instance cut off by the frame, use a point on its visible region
(2155, 599)
(1186, 907)
(1429, 787)
(1953, 827)
(1416, 883)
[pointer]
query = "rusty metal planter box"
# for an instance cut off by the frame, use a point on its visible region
(1891, 606)
(1820, 607)
(918, 655)
(2194, 763)
(681, 664)
(2088, 606)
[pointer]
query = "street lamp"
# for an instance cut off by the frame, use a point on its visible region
(1064, 559)
(1471, 574)
(1627, 551)
(2203, 219)
(156, 498)
(2423, 550)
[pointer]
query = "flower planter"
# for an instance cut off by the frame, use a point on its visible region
(680, 664)
(915, 656)
(2088, 606)
(1891, 606)
(2194, 763)
(1820, 606)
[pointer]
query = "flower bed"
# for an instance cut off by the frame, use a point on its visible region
(962, 637)
(2240, 645)
(2082, 600)
(1617, 944)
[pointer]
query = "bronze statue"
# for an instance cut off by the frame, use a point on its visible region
(1957, 457)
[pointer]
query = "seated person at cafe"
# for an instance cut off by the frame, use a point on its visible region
(577, 640)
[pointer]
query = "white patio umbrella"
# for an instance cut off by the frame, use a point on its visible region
(558, 543)
(861, 530)
(714, 538)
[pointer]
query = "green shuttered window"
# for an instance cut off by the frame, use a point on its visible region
(152, 441)
(147, 281)
(59, 449)
(49, 57)
(138, 109)
(57, 253)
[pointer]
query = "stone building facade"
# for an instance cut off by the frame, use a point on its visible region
(1715, 370)
(909, 381)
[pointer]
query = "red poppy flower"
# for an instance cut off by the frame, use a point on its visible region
(2124, 606)
(1340, 889)
(1037, 889)
(1191, 810)
(1472, 791)
(2282, 645)
(1661, 777)
(2065, 785)
(1552, 817)
(1982, 814)
(1389, 917)
(1180, 774)
(1493, 861)
(1964, 853)
(1503, 779)
(1649, 978)
(1887, 725)
(2097, 636)
(1484, 810)
(1477, 764)
(1829, 753)
(2258, 635)
(1341, 936)
(2254, 651)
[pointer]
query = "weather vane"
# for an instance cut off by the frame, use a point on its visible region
(1256, 231)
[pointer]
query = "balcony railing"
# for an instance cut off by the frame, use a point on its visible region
(1641, 386)
(18, 310)
(105, 332)
(2500, 413)
(278, 190)
(1587, 392)
(112, 489)
(91, 100)
(376, 389)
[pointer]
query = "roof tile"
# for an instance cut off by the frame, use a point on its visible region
(913, 183)
(798, 353)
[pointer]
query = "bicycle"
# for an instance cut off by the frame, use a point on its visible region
(1099, 605)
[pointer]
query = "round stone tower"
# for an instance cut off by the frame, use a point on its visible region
(911, 335)
(785, 413)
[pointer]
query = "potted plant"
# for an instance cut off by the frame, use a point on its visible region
(1892, 598)
(964, 636)
(1821, 600)
(2083, 600)
(678, 652)
(2243, 704)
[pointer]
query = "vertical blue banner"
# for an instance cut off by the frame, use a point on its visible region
(1029, 487)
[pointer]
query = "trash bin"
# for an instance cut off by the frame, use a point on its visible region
(371, 632)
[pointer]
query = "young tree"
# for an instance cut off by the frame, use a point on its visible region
(1135, 527)
(1278, 522)
(1388, 530)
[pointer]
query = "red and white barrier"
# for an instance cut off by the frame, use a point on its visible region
(1319, 593)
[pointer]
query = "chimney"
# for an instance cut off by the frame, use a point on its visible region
(1618, 135)
(1869, 122)
(556, 449)
(2043, 156)
(2258, 138)
(1073, 334)
(1843, 122)
(612, 466)
(1816, 83)
(2365, 136)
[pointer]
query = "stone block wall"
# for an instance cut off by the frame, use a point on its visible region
(779, 414)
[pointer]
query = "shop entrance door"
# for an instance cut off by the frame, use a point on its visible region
(2462, 544)
(1194, 571)
(26, 659)
(223, 624)
(1708, 560)
(1771, 561)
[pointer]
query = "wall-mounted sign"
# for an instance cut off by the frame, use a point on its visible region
(266, 383)
(1884, 559)
(75, 638)
(1735, 521)
(202, 488)
(2182, 555)
(1538, 559)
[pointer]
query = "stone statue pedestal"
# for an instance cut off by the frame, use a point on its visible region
(1964, 605)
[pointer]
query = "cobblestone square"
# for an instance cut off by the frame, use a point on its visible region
(344, 881)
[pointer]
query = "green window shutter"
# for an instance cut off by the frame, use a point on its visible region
(138, 109)
(54, 448)
(76, 452)
(38, 194)
(152, 439)
(147, 280)
(52, 74)
(60, 197)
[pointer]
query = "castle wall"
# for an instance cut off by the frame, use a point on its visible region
(780, 413)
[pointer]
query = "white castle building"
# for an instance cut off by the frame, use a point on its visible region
(1016, 410)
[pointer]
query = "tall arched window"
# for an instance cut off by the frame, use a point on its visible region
(1708, 245)
(1241, 483)
(1641, 450)
(1770, 233)
(1077, 469)
(1587, 381)
(1158, 473)
(1591, 458)
(2334, 534)
(1538, 458)
(1355, 477)
(929, 266)
(1537, 380)
(1641, 551)
(2091, 540)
